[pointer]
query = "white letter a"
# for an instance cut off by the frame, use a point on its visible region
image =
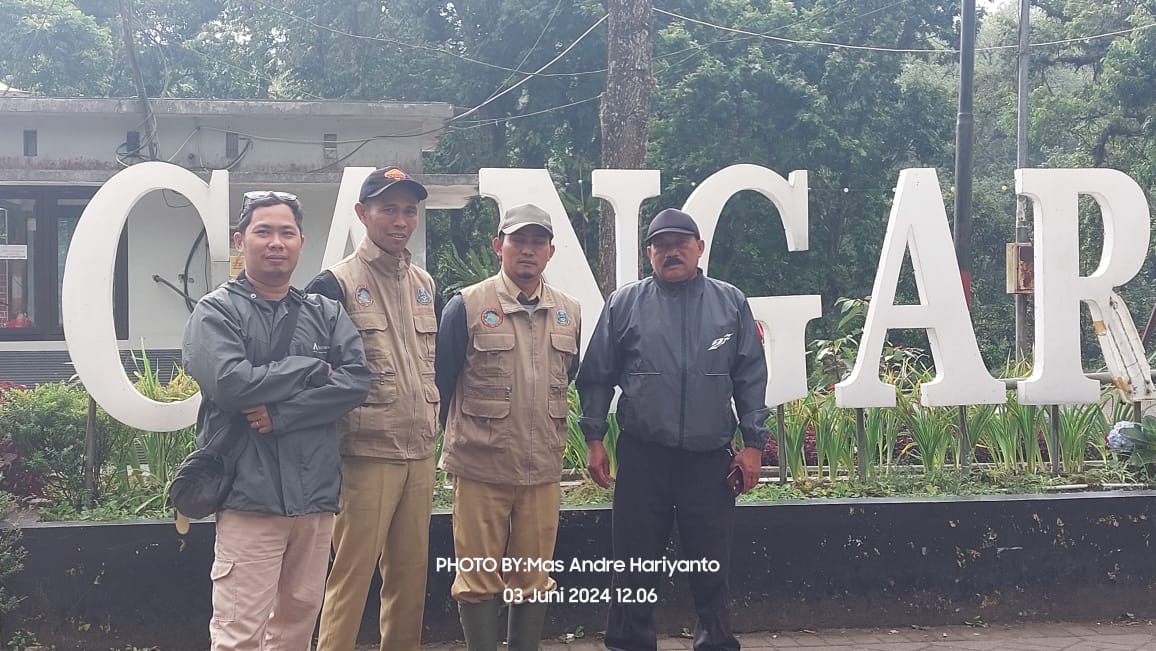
(918, 223)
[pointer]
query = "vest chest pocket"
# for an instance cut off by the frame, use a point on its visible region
(494, 356)
(426, 326)
(366, 320)
(374, 328)
(565, 347)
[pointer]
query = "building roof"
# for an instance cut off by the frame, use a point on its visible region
(285, 141)
(219, 107)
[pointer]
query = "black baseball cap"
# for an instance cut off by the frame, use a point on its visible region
(671, 221)
(387, 177)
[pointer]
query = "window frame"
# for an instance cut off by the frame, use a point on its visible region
(46, 263)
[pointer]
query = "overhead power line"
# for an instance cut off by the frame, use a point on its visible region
(537, 41)
(420, 46)
(793, 41)
(474, 124)
(696, 49)
(528, 77)
(870, 48)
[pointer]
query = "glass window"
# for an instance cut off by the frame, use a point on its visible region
(68, 214)
(17, 284)
(36, 227)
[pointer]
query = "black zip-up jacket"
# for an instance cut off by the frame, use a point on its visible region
(680, 352)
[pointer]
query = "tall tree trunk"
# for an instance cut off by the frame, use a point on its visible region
(625, 115)
(150, 122)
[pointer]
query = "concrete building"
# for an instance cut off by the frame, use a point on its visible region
(55, 153)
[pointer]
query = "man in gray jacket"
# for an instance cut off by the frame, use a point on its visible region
(681, 346)
(274, 529)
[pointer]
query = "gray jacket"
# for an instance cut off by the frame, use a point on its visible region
(293, 470)
(680, 352)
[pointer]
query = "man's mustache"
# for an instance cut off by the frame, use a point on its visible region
(672, 261)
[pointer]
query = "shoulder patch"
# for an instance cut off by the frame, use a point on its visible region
(423, 296)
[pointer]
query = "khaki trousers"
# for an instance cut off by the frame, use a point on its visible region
(383, 523)
(268, 578)
(492, 521)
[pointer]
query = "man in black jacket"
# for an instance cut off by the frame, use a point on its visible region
(680, 346)
(273, 531)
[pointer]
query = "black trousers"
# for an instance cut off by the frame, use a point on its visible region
(655, 486)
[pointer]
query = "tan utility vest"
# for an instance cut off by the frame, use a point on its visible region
(392, 304)
(507, 423)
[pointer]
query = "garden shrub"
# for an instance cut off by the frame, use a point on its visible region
(11, 553)
(15, 475)
(46, 427)
(42, 440)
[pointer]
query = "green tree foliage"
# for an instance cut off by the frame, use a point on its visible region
(850, 117)
(54, 48)
(846, 90)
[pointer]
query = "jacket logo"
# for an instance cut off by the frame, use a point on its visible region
(718, 343)
(562, 318)
(423, 297)
(364, 298)
(492, 318)
(320, 350)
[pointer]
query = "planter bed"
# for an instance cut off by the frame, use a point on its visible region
(797, 564)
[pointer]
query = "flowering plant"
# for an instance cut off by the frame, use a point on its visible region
(1117, 439)
(1136, 442)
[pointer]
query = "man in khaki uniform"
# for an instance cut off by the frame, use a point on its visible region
(506, 354)
(387, 444)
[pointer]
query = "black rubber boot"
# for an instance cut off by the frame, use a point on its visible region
(525, 630)
(480, 624)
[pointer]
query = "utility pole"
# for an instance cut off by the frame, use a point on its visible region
(625, 113)
(150, 121)
(964, 136)
(1023, 218)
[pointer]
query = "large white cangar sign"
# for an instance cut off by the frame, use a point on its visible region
(918, 226)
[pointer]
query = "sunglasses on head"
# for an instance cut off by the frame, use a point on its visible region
(257, 195)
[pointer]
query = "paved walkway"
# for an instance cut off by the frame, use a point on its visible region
(1026, 637)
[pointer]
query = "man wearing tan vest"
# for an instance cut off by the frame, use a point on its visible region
(506, 354)
(387, 444)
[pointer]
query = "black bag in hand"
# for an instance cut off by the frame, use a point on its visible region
(204, 479)
(202, 482)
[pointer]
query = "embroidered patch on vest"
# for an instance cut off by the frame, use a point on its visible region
(492, 318)
(562, 318)
(423, 296)
(364, 298)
